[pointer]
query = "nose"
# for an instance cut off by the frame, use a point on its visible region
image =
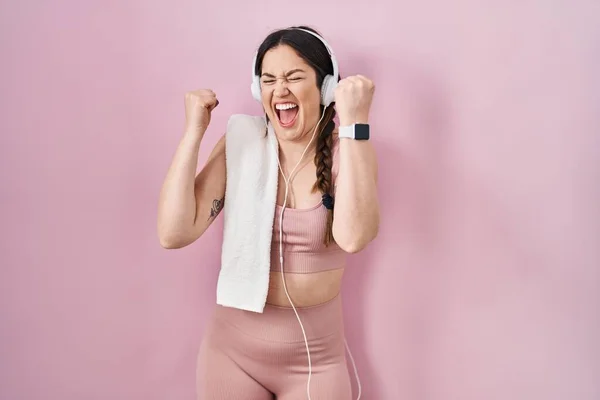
(281, 89)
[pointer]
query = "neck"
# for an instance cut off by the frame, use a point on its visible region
(291, 151)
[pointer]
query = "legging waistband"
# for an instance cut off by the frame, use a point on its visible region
(280, 324)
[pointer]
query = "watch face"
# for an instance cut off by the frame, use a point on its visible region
(361, 132)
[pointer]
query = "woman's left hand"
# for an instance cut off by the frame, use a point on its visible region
(353, 97)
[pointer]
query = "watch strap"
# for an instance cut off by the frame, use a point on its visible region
(354, 131)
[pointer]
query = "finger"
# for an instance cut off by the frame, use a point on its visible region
(213, 105)
(344, 82)
(354, 80)
(368, 81)
(208, 101)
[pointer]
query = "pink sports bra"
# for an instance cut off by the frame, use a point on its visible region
(303, 234)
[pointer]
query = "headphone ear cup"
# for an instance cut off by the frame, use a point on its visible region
(255, 89)
(328, 90)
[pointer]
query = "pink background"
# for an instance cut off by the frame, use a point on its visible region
(484, 282)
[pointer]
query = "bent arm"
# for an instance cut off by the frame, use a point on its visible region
(356, 211)
(188, 204)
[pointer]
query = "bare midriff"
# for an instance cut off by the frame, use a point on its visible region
(305, 290)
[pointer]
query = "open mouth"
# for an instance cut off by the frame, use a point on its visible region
(287, 113)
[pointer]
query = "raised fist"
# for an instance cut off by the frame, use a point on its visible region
(198, 107)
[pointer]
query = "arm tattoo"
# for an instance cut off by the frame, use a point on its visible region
(217, 206)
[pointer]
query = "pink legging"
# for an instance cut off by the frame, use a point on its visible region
(253, 356)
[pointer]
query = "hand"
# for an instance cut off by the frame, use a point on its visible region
(353, 97)
(198, 107)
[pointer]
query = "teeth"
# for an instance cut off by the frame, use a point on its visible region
(286, 106)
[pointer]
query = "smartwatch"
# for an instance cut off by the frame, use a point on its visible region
(354, 131)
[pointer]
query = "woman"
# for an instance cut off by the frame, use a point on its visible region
(295, 348)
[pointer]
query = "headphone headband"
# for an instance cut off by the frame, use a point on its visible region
(329, 50)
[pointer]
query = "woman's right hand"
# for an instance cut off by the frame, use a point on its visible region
(198, 107)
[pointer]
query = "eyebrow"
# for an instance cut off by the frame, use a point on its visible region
(288, 74)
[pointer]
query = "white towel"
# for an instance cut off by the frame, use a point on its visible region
(249, 211)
